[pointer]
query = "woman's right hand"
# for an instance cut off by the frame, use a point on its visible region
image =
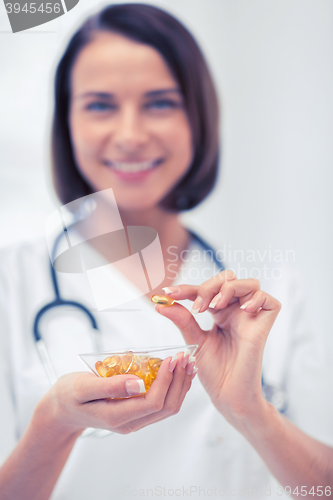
(81, 400)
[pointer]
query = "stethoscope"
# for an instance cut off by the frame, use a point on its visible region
(276, 395)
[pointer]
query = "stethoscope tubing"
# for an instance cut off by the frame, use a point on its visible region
(59, 302)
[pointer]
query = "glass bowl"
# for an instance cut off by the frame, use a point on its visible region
(143, 362)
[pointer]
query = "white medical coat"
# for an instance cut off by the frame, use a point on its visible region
(194, 454)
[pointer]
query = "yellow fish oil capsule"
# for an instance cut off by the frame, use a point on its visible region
(153, 361)
(142, 366)
(147, 380)
(101, 370)
(155, 366)
(126, 362)
(111, 362)
(163, 300)
(112, 371)
(135, 367)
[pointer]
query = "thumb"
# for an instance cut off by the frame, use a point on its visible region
(88, 387)
(184, 320)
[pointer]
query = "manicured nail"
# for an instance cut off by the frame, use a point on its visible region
(215, 300)
(190, 367)
(172, 289)
(185, 359)
(195, 371)
(173, 363)
(197, 305)
(244, 306)
(192, 359)
(135, 387)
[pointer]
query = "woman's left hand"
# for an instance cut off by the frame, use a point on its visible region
(229, 357)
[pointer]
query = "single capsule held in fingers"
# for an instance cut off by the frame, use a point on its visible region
(162, 300)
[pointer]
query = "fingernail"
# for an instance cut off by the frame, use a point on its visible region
(195, 370)
(197, 305)
(185, 359)
(215, 300)
(244, 306)
(173, 363)
(172, 289)
(135, 387)
(190, 367)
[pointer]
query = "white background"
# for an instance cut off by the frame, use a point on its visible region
(273, 65)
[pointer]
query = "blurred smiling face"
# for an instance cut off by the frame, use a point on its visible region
(129, 128)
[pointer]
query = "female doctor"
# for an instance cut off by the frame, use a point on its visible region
(136, 111)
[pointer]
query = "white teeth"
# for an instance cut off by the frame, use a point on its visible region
(133, 167)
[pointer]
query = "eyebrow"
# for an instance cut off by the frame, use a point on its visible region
(154, 93)
(107, 95)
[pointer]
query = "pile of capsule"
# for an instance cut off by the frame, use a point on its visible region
(143, 366)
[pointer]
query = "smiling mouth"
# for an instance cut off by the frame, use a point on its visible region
(132, 167)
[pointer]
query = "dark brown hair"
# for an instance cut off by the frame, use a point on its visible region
(151, 26)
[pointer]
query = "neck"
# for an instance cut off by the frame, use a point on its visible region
(171, 234)
(167, 225)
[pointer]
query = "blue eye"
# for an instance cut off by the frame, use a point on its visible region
(162, 104)
(100, 106)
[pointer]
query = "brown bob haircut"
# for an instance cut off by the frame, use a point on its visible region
(151, 26)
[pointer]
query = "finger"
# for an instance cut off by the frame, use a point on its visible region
(231, 291)
(210, 289)
(119, 412)
(202, 294)
(187, 382)
(261, 301)
(173, 373)
(171, 401)
(182, 292)
(184, 320)
(181, 381)
(88, 387)
(179, 387)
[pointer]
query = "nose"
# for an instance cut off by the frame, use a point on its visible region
(130, 134)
